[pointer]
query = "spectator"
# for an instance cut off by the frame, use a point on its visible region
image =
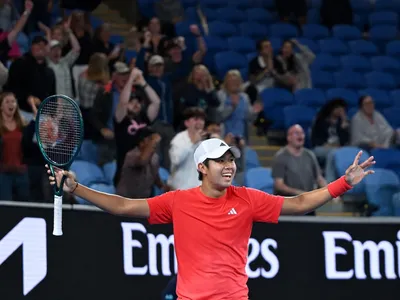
(294, 67)
(131, 115)
(91, 82)
(156, 40)
(102, 44)
(141, 164)
(369, 129)
(199, 91)
(30, 76)
(330, 130)
(295, 169)
(8, 15)
(61, 33)
(61, 66)
(103, 111)
(13, 173)
(183, 145)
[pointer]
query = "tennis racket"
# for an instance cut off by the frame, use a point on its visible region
(59, 133)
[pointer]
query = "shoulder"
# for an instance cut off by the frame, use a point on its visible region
(309, 153)
(183, 135)
(281, 153)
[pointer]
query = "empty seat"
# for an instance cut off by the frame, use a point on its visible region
(274, 100)
(350, 80)
(387, 5)
(356, 63)
(299, 114)
(241, 44)
(395, 97)
(381, 34)
(361, 6)
(362, 47)
(227, 60)
(314, 47)
(392, 116)
(88, 173)
(222, 29)
(385, 64)
(283, 30)
(325, 62)
(322, 79)
(393, 48)
(380, 80)
(253, 30)
(260, 178)
(259, 15)
(349, 95)
(346, 32)
(381, 97)
(231, 15)
(210, 14)
(214, 4)
(215, 44)
(315, 31)
(251, 158)
(383, 18)
(310, 97)
(183, 28)
(333, 46)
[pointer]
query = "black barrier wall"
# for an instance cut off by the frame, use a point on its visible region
(104, 257)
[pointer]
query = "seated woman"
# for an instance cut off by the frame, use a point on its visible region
(330, 130)
(369, 129)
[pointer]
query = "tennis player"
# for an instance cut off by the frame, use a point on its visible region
(213, 222)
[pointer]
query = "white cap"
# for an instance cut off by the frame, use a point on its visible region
(54, 43)
(155, 60)
(213, 148)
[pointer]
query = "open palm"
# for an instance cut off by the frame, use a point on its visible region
(356, 172)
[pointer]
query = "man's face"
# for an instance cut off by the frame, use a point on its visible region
(266, 48)
(39, 50)
(296, 136)
(120, 80)
(221, 171)
(156, 70)
(195, 124)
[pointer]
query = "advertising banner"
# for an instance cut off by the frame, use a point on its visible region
(105, 257)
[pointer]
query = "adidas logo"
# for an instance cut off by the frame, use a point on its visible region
(232, 212)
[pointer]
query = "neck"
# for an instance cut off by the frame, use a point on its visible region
(294, 150)
(210, 191)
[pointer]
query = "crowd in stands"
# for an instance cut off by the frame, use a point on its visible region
(185, 74)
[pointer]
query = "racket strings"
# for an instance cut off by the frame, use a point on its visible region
(59, 130)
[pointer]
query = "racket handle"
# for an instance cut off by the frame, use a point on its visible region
(57, 226)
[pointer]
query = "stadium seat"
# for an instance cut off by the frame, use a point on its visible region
(310, 97)
(241, 44)
(251, 55)
(380, 189)
(274, 99)
(222, 29)
(116, 39)
(355, 63)
(192, 14)
(299, 114)
(276, 43)
(351, 112)
(313, 16)
(363, 47)
(383, 18)
(350, 80)
(214, 4)
(251, 159)
(315, 31)
(381, 97)
(88, 152)
(380, 80)
(361, 6)
(360, 21)
(260, 179)
(283, 30)
(189, 3)
(387, 159)
(314, 3)
(227, 60)
(210, 14)
(325, 62)
(392, 116)
(386, 5)
(381, 34)
(129, 55)
(393, 49)
(396, 204)
(349, 95)
(231, 15)
(344, 157)
(109, 170)
(164, 175)
(88, 173)
(333, 46)
(240, 4)
(259, 15)
(314, 47)
(346, 32)
(322, 79)
(395, 97)
(253, 30)
(215, 44)
(385, 64)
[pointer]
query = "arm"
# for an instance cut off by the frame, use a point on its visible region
(306, 54)
(12, 36)
(280, 186)
(3, 75)
(71, 36)
(154, 106)
(310, 201)
(201, 45)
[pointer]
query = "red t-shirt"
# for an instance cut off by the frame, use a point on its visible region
(211, 237)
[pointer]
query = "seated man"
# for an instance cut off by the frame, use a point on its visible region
(295, 169)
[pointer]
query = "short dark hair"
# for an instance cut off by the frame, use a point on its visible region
(194, 112)
(201, 174)
(259, 44)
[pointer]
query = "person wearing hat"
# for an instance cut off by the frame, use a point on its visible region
(62, 65)
(212, 223)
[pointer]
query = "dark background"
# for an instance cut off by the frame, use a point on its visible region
(87, 261)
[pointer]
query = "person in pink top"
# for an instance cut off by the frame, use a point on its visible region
(213, 222)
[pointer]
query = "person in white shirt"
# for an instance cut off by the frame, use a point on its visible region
(183, 172)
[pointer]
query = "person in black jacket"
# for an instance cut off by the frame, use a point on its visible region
(330, 130)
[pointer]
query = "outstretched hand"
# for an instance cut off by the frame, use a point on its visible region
(356, 172)
(69, 183)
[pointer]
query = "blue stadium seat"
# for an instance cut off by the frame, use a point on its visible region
(313, 16)
(283, 30)
(395, 96)
(227, 60)
(251, 158)
(355, 63)
(385, 64)
(333, 46)
(299, 114)
(241, 44)
(380, 189)
(392, 116)
(183, 28)
(349, 95)
(387, 159)
(164, 175)
(314, 3)
(214, 4)
(129, 55)
(146, 8)
(240, 4)
(344, 157)
(346, 32)
(310, 97)
(88, 173)
(380, 80)
(383, 18)
(325, 62)
(351, 112)
(253, 30)
(109, 170)
(231, 15)
(381, 34)
(387, 5)
(361, 6)
(393, 48)
(192, 14)
(315, 31)
(396, 205)
(259, 15)
(349, 80)
(359, 21)
(381, 97)
(314, 47)
(363, 47)
(260, 179)
(276, 44)
(215, 44)
(88, 152)
(251, 55)
(274, 99)
(189, 3)
(322, 79)
(116, 39)
(222, 29)
(210, 14)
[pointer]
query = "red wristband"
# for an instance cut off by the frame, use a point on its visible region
(339, 187)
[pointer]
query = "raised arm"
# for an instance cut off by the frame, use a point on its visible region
(310, 201)
(154, 106)
(12, 36)
(113, 204)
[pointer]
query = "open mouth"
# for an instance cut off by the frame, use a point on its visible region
(227, 175)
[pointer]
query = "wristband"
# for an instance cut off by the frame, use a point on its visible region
(75, 187)
(339, 187)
